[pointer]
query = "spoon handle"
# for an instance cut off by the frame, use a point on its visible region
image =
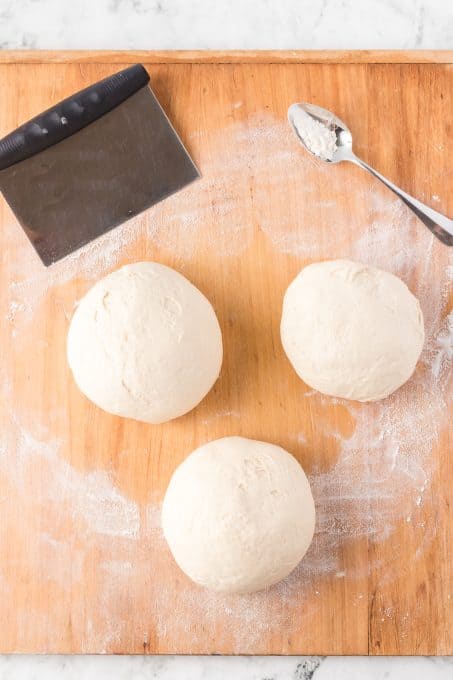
(440, 225)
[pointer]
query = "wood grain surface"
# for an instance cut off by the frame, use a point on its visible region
(83, 565)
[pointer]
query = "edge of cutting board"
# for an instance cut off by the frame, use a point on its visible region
(228, 56)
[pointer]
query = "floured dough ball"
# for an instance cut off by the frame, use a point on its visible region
(350, 330)
(238, 515)
(144, 343)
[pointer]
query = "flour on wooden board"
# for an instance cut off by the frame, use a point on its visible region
(383, 470)
(245, 156)
(92, 498)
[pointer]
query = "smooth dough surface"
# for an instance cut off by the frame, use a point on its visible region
(238, 515)
(351, 330)
(144, 343)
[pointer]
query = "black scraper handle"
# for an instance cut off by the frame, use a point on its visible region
(70, 115)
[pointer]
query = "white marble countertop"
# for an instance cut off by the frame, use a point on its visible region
(224, 668)
(225, 24)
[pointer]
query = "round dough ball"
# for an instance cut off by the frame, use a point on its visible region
(350, 330)
(144, 343)
(238, 515)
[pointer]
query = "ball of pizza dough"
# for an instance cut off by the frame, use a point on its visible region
(351, 330)
(238, 515)
(144, 343)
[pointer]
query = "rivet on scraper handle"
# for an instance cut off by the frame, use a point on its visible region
(70, 115)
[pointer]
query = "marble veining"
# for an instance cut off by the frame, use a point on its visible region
(220, 668)
(225, 24)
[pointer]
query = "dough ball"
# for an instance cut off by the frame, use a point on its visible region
(144, 343)
(238, 515)
(350, 330)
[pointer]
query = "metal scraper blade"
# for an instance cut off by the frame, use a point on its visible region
(99, 176)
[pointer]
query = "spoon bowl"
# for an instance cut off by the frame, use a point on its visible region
(296, 115)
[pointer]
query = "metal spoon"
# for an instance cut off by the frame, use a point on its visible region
(440, 225)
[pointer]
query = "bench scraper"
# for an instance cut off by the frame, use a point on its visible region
(91, 162)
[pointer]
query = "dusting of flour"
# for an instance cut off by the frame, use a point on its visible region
(383, 470)
(386, 465)
(93, 500)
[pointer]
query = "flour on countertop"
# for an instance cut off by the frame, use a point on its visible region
(117, 567)
(91, 498)
(217, 210)
(360, 496)
(382, 471)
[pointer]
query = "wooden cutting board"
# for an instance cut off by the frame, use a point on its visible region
(83, 565)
